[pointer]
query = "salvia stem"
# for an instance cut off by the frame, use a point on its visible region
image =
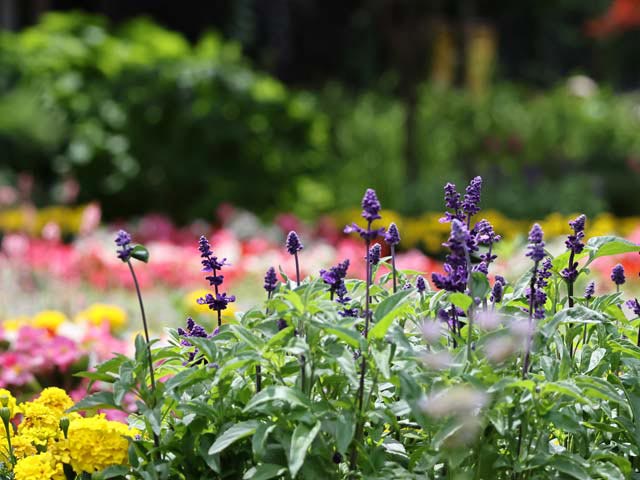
(393, 268)
(297, 269)
(156, 440)
(527, 351)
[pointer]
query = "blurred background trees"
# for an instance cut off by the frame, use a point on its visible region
(299, 104)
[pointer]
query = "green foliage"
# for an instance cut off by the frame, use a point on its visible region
(432, 408)
(139, 116)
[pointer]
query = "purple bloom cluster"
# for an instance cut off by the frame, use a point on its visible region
(270, 280)
(539, 295)
(293, 243)
(421, 284)
(575, 246)
(471, 201)
(617, 275)
(211, 264)
(370, 212)
(123, 240)
(370, 206)
(374, 254)
(536, 243)
(392, 237)
(589, 290)
(460, 244)
(498, 289)
(635, 306)
(192, 330)
(485, 236)
(334, 277)
(452, 202)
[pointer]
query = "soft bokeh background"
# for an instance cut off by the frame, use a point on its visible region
(298, 105)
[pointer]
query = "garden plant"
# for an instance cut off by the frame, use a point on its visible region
(467, 376)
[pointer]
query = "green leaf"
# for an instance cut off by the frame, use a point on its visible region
(480, 287)
(274, 393)
(387, 311)
(140, 253)
(302, 438)
(96, 400)
(113, 471)
(576, 314)
(461, 300)
(265, 471)
(609, 245)
(233, 434)
(569, 466)
(345, 429)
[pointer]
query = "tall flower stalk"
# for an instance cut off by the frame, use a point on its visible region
(270, 285)
(212, 265)
(294, 245)
(370, 212)
(126, 252)
(536, 296)
(575, 246)
(392, 238)
(617, 276)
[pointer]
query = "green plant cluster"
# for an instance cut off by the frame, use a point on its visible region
(140, 116)
(437, 402)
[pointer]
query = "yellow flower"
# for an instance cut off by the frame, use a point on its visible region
(40, 423)
(7, 400)
(56, 399)
(14, 324)
(190, 301)
(22, 447)
(38, 467)
(49, 319)
(96, 443)
(99, 313)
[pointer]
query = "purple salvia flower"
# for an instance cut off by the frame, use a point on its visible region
(536, 243)
(421, 284)
(460, 244)
(192, 330)
(617, 275)
(374, 254)
(498, 289)
(407, 286)
(270, 280)
(123, 240)
(392, 237)
(281, 324)
(218, 302)
(590, 290)
(452, 201)
(634, 305)
(293, 243)
(471, 201)
(370, 206)
(574, 241)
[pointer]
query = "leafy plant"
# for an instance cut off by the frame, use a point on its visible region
(465, 382)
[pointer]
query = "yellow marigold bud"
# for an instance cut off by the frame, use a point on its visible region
(7, 400)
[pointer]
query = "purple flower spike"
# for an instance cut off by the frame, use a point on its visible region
(590, 290)
(392, 237)
(617, 275)
(498, 289)
(421, 284)
(471, 201)
(293, 243)
(536, 243)
(123, 240)
(374, 254)
(370, 206)
(634, 305)
(270, 280)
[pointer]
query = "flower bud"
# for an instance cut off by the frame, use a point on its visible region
(64, 425)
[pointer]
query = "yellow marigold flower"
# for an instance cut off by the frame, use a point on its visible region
(49, 319)
(60, 451)
(38, 467)
(100, 313)
(7, 400)
(14, 324)
(56, 399)
(96, 443)
(40, 423)
(22, 447)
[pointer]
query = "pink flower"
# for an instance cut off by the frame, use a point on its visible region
(15, 369)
